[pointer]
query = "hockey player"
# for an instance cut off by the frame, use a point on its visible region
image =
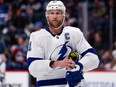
(49, 49)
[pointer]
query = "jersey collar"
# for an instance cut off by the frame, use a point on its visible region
(47, 29)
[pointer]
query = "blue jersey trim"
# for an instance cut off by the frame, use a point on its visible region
(60, 81)
(80, 65)
(31, 59)
(91, 50)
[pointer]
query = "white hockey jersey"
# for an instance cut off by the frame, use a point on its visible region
(44, 47)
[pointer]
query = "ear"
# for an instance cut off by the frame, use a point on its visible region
(46, 15)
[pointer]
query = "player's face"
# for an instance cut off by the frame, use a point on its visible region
(55, 18)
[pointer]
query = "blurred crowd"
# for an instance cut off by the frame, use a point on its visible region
(18, 18)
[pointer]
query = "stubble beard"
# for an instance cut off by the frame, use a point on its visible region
(55, 24)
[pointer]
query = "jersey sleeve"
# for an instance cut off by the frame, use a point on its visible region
(35, 48)
(82, 44)
(35, 57)
(89, 58)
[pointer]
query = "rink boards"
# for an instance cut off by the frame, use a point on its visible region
(92, 79)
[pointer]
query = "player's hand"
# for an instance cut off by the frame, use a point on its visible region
(75, 76)
(66, 63)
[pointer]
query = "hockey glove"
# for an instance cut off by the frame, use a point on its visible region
(74, 77)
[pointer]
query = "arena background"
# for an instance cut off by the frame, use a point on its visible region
(96, 18)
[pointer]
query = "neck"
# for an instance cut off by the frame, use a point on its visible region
(54, 31)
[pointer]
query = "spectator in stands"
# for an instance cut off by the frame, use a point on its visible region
(29, 28)
(9, 35)
(98, 43)
(34, 4)
(19, 53)
(113, 63)
(19, 21)
(2, 69)
(38, 25)
(105, 61)
(114, 51)
(9, 19)
(30, 16)
(18, 60)
(4, 7)
(1, 46)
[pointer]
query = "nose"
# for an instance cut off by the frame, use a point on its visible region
(55, 16)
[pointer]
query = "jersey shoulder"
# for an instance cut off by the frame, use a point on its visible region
(72, 29)
(40, 33)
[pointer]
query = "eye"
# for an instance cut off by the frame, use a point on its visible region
(51, 13)
(59, 13)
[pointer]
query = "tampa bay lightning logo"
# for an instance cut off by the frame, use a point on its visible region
(61, 51)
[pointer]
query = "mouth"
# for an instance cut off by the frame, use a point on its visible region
(55, 20)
